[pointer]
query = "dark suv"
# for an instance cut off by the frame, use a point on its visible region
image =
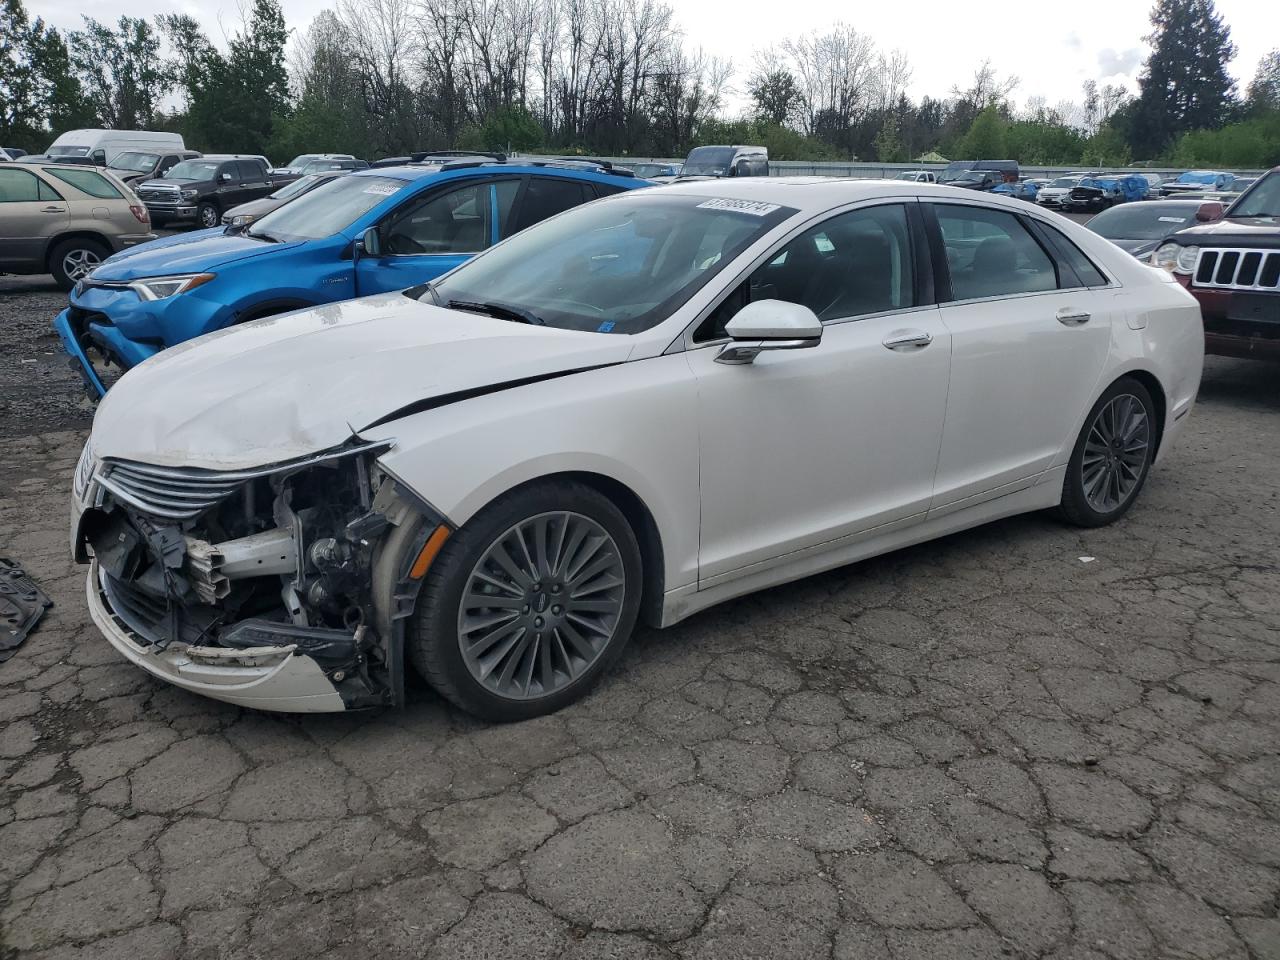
(135, 166)
(200, 189)
(1231, 264)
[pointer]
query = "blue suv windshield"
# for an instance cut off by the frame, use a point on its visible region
(327, 209)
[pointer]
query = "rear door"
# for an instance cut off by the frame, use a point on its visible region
(253, 180)
(32, 212)
(1029, 341)
(544, 197)
(437, 230)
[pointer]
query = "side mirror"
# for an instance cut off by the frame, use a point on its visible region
(99, 157)
(369, 243)
(769, 325)
(1209, 212)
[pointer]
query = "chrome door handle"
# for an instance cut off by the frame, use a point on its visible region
(908, 340)
(1073, 318)
(54, 210)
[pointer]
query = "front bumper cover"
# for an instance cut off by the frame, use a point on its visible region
(276, 679)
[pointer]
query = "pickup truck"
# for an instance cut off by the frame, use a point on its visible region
(201, 189)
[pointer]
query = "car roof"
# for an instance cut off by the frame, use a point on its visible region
(818, 194)
(411, 172)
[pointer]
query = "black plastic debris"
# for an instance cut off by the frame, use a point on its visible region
(22, 604)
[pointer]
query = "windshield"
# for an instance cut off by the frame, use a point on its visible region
(321, 166)
(1143, 221)
(909, 175)
(1262, 201)
(651, 169)
(68, 151)
(708, 162)
(299, 186)
(192, 170)
(299, 160)
(137, 162)
(1065, 182)
(327, 209)
(620, 266)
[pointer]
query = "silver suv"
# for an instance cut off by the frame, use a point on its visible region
(65, 219)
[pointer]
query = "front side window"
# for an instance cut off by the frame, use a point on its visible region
(457, 221)
(854, 264)
(134, 162)
(86, 181)
(327, 209)
(617, 267)
(1261, 201)
(991, 254)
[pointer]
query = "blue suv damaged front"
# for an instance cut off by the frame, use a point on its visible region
(305, 254)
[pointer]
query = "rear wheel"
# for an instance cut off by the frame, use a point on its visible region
(529, 603)
(1112, 456)
(73, 259)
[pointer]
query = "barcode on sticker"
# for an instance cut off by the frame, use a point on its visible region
(754, 207)
(383, 189)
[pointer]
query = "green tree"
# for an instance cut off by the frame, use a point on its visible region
(1264, 88)
(121, 71)
(1184, 84)
(986, 139)
(65, 106)
(775, 95)
(889, 148)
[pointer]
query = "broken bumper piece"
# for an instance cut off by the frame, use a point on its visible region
(267, 677)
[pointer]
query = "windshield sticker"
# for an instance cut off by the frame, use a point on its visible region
(605, 327)
(1173, 219)
(754, 207)
(382, 189)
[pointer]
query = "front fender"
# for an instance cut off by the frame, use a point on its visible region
(634, 423)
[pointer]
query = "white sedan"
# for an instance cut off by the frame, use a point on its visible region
(639, 408)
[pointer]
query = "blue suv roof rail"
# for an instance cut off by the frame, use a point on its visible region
(604, 165)
(424, 155)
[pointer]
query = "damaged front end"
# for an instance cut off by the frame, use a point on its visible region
(283, 587)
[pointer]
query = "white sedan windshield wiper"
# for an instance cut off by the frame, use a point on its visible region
(498, 310)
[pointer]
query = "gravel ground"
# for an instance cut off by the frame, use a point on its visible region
(972, 749)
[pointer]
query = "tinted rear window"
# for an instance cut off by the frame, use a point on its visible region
(86, 181)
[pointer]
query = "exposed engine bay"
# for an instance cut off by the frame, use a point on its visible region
(306, 559)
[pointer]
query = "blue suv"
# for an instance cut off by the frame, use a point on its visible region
(368, 232)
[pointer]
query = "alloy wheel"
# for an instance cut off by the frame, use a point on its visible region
(209, 216)
(541, 605)
(77, 263)
(1115, 453)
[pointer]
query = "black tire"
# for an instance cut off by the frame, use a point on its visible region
(81, 249)
(434, 636)
(207, 215)
(1077, 506)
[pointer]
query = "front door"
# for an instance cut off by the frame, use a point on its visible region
(803, 447)
(432, 234)
(31, 213)
(1029, 342)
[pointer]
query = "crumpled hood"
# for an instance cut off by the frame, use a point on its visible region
(197, 252)
(1233, 231)
(288, 386)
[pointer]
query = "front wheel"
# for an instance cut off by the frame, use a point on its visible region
(1112, 456)
(207, 214)
(529, 603)
(74, 259)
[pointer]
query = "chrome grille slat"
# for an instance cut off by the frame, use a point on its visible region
(1243, 268)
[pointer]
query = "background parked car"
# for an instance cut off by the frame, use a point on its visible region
(14, 152)
(718, 162)
(979, 174)
(1056, 191)
(1194, 181)
(65, 220)
(134, 166)
(1020, 189)
(295, 166)
(918, 176)
(246, 213)
(1139, 228)
(370, 231)
(656, 171)
(1105, 190)
(201, 189)
(323, 166)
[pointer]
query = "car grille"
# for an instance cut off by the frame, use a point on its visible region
(158, 197)
(1086, 193)
(142, 613)
(169, 493)
(1226, 269)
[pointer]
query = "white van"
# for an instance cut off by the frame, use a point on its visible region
(88, 143)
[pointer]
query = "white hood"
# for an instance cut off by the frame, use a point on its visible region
(288, 386)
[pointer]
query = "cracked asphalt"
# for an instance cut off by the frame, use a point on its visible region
(978, 748)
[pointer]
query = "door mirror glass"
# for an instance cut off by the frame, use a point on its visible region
(99, 157)
(1209, 212)
(370, 243)
(769, 325)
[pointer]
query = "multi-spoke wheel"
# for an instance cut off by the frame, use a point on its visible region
(73, 260)
(529, 602)
(1112, 456)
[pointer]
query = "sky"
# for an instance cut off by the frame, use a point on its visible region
(1051, 47)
